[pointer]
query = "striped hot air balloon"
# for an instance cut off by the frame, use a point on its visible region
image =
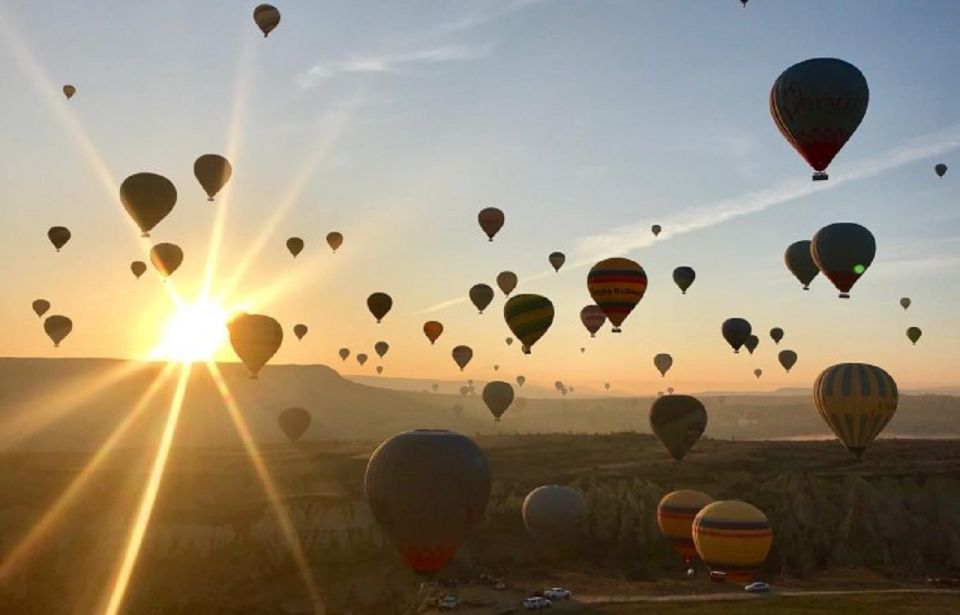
(617, 286)
(732, 537)
(675, 515)
(529, 317)
(857, 401)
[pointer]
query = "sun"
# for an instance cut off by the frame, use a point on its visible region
(194, 333)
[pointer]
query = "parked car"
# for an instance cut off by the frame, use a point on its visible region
(718, 576)
(557, 593)
(448, 602)
(536, 603)
(757, 587)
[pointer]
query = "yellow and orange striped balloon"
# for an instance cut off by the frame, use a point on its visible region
(857, 401)
(675, 515)
(733, 538)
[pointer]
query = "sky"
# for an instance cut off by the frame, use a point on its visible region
(395, 123)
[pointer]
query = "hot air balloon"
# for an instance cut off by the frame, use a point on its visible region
(669, 390)
(41, 307)
(529, 317)
(683, 277)
(138, 268)
(334, 240)
(57, 327)
(295, 246)
(166, 258)
(817, 105)
(213, 172)
(344, 353)
(498, 395)
(299, 330)
(663, 362)
(255, 338)
(736, 331)
(582, 350)
(427, 489)
(606, 386)
(509, 341)
(294, 422)
(758, 372)
(379, 369)
(491, 221)
(655, 229)
(776, 334)
(496, 368)
(558, 385)
(743, 3)
(432, 329)
(857, 401)
(733, 538)
(678, 421)
(787, 359)
(507, 281)
(267, 18)
(675, 515)
(69, 91)
(913, 334)
(148, 198)
(481, 295)
(751, 343)
(381, 348)
(941, 169)
(379, 304)
(799, 261)
(555, 517)
(557, 259)
(361, 359)
(464, 390)
(905, 302)
(58, 236)
(521, 380)
(617, 286)
(843, 251)
(592, 318)
(462, 355)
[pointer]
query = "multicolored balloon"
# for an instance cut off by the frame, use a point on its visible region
(617, 285)
(529, 317)
(675, 515)
(592, 318)
(856, 400)
(733, 538)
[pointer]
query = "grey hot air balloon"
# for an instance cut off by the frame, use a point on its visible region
(940, 169)
(905, 302)
(678, 421)
(555, 517)
(498, 396)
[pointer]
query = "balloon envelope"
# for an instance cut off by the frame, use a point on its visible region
(521, 380)
(491, 221)
(481, 295)
(617, 285)
(295, 246)
(507, 281)
(913, 334)
(758, 372)
(843, 251)
(148, 198)
(299, 330)
(294, 422)
(498, 396)
(267, 17)
(334, 240)
(683, 277)
(432, 329)
(138, 268)
(732, 537)
(213, 171)
(379, 304)
(905, 302)
(940, 169)
(57, 328)
(817, 105)
(787, 358)
(427, 489)
(557, 259)
(69, 91)
(678, 421)
(462, 355)
(736, 331)
(592, 318)
(255, 338)
(799, 261)
(381, 348)
(655, 229)
(166, 258)
(344, 353)
(751, 343)
(857, 401)
(675, 515)
(58, 236)
(555, 517)
(776, 334)
(663, 362)
(361, 358)
(41, 307)
(529, 317)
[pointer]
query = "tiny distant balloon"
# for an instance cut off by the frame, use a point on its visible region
(138, 268)
(509, 341)
(435, 387)
(69, 91)
(361, 359)
(843, 251)
(267, 17)
(59, 236)
(529, 318)
(751, 343)
(606, 385)
(913, 334)
(41, 307)
(799, 261)
(379, 369)
(507, 281)
(481, 295)
(655, 229)
(255, 338)
(521, 380)
(334, 240)
(344, 353)
(381, 348)
(57, 328)
(663, 363)
(464, 390)
(787, 358)
(213, 171)
(736, 331)
(496, 368)
(557, 259)
(294, 422)
(432, 329)
(295, 246)
(148, 198)
(462, 355)
(299, 330)
(940, 169)
(592, 318)
(379, 305)
(776, 334)
(758, 372)
(491, 221)
(905, 302)
(166, 258)
(683, 277)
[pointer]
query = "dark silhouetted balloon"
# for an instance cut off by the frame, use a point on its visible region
(462, 355)
(940, 169)
(379, 369)
(379, 305)
(817, 105)
(758, 372)
(432, 329)
(294, 422)
(41, 307)
(776, 334)
(361, 359)
(678, 421)
(427, 489)
(58, 236)
(736, 331)
(381, 348)
(856, 400)
(69, 91)
(334, 240)
(295, 246)
(498, 396)
(507, 281)
(555, 517)
(913, 334)
(255, 338)
(843, 251)
(166, 258)
(732, 537)
(905, 302)
(213, 172)
(508, 340)
(683, 277)
(138, 268)
(751, 343)
(267, 17)
(675, 515)
(592, 318)
(300, 330)
(557, 259)
(481, 295)
(787, 358)
(663, 363)
(617, 285)
(655, 229)
(529, 317)
(521, 380)
(148, 198)
(491, 221)
(344, 353)
(57, 327)
(799, 261)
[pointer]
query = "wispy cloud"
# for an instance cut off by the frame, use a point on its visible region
(389, 63)
(483, 16)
